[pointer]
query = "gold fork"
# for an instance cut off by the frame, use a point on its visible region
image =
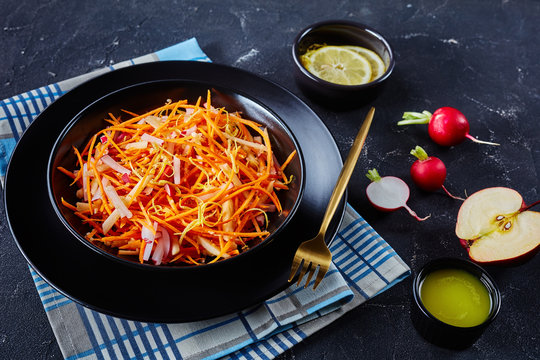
(314, 253)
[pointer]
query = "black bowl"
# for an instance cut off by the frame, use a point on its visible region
(154, 293)
(144, 97)
(340, 32)
(441, 333)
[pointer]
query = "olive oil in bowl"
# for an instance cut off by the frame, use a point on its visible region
(454, 301)
(456, 297)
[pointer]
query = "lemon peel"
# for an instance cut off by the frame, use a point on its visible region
(343, 64)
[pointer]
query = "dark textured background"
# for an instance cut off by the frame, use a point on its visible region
(479, 56)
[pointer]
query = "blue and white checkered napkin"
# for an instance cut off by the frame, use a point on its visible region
(364, 265)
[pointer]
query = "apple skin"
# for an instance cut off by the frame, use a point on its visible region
(522, 208)
(510, 262)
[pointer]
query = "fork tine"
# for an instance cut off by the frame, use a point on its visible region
(323, 269)
(294, 268)
(303, 271)
(310, 275)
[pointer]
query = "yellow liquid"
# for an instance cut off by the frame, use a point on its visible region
(456, 297)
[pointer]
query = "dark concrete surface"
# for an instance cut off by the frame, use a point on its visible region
(479, 56)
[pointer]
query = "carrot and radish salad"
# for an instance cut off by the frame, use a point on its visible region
(183, 183)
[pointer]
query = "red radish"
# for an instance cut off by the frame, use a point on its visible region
(163, 245)
(389, 193)
(125, 178)
(447, 126)
(429, 172)
(148, 237)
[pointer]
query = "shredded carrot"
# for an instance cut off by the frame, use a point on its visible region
(289, 159)
(67, 172)
(68, 205)
(229, 177)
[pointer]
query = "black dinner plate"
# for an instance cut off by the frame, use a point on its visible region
(113, 288)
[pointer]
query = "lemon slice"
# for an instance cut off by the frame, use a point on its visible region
(338, 65)
(377, 65)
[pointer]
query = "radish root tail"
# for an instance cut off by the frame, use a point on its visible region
(452, 196)
(413, 214)
(469, 136)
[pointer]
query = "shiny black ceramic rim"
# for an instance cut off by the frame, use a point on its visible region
(175, 295)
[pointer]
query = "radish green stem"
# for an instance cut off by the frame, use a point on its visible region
(414, 214)
(420, 153)
(414, 118)
(373, 175)
(469, 136)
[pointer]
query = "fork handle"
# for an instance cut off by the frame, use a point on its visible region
(346, 172)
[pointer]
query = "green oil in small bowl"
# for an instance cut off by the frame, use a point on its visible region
(456, 297)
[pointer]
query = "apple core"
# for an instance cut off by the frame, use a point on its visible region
(456, 297)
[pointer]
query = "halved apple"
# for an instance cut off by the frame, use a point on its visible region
(495, 225)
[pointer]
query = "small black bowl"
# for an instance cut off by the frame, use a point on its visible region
(144, 97)
(340, 32)
(441, 333)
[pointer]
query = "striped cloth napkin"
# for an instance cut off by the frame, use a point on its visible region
(363, 266)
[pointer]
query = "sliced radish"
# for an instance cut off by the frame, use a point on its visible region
(157, 255)
(142, 182)
(117, 201)
(260, 219)
(125, 178)
(235, 180)
(167, 189)
(163, 245)
(94, 187)
(187, 150)
(176, 170)
(210, 248)
(120, 137)
(82, 206)
(209, 195)
(188, 114)
(109, 222)
(152, 139)
(148, 235)
(113, 164)
(189, 131)
(137, 145)
(254, 145)
(153, 121)
(97, 194)
(389, 193)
